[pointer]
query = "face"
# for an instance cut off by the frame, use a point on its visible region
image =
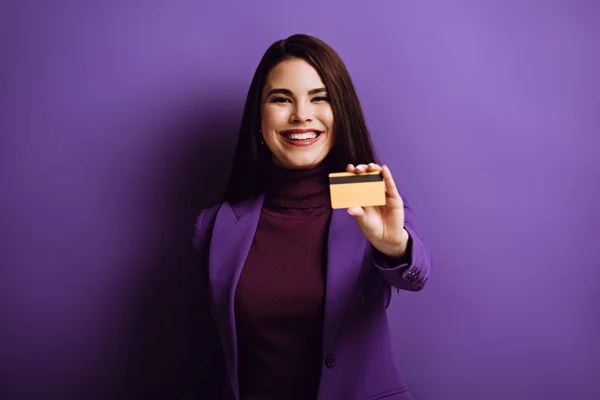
(297, 120)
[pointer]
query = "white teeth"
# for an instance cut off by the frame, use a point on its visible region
(301, 136)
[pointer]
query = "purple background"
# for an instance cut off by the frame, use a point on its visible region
(119, 125)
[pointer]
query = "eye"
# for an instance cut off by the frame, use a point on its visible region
(280, 99)
(321, 98)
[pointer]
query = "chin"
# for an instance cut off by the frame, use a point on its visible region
(302, 164)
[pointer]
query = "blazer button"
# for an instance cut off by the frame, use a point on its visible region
(330, 361)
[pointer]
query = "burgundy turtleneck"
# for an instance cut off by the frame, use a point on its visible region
(279, 300)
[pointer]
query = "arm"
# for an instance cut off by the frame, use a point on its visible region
(411, 271)
(205, 356)
(399, 253)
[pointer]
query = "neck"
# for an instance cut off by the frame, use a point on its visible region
(300, 189)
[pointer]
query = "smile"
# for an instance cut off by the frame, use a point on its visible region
(301, 137)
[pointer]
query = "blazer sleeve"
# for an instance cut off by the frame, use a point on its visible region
(206, 357)
(412, 271)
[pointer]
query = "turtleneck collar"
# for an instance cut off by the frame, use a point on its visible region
(298, 189)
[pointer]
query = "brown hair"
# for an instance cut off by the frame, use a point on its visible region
(353, 144)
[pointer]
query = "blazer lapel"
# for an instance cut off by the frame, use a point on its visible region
(231, 240)
(345, 252)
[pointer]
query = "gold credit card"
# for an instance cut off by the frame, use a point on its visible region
(348, 189)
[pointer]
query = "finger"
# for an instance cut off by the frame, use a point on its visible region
(361, 168)
(350, 168)
(390, 185)
(359, 214)
(356, 211)
(374, 167)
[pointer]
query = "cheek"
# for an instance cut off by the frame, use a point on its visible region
(273, 117)
(326, 117)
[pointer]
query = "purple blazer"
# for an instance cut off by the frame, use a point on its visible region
(358, 360)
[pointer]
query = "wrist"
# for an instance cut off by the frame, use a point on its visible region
(398, 250)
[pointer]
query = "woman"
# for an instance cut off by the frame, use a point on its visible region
(297, 292)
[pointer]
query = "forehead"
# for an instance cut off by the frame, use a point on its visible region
(294, 74)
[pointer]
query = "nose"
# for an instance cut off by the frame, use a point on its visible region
(302, 113)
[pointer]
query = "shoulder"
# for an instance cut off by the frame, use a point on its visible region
(205, 221)
(204, 224)
(207, 214)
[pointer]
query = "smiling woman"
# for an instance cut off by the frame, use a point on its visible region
(297, 82)
(297, 119)
(297, 292)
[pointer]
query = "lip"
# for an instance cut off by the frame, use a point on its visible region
(300, 131)
(301, 143)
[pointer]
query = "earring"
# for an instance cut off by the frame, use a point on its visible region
(262, 141)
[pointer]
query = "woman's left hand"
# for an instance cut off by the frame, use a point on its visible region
(383, 226)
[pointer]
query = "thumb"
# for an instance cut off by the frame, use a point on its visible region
(359, 214)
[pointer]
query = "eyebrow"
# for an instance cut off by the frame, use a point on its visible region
(289, 92)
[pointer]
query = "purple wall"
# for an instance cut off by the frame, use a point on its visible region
(119, 125)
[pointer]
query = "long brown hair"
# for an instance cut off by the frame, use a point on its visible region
(353, 144)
